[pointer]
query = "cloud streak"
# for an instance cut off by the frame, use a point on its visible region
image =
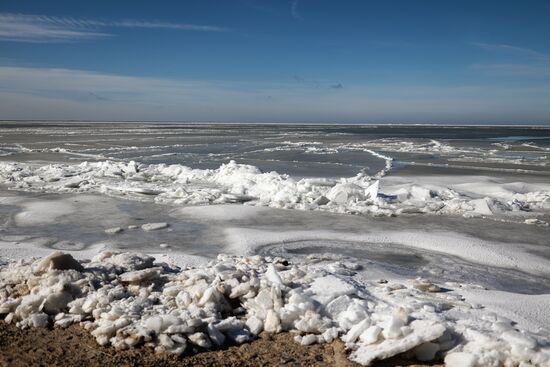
(524, 62)
(294, 9)
(44, 28)
(45, 93)
(518, 51)
(514, 70)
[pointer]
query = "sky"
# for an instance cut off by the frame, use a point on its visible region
(302, 61)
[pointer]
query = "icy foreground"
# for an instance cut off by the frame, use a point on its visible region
(238, 183)
(127, 300)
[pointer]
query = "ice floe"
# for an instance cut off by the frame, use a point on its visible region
(128, 300)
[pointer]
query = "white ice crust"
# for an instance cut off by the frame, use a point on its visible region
(239, 183)
(128, 300)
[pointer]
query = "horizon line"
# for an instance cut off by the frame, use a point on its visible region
(463, 124)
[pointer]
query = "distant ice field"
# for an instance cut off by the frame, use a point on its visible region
(301, 151)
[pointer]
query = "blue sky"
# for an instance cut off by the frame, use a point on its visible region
(276, 61)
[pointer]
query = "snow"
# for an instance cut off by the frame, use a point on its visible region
(128, 300)
(529, 311)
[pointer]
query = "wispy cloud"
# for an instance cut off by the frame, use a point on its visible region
(294, 9)
(519, 70)
(97, 96)
(315, 84)
(44, 28)
(515, 61)
(515, 50)
(45, 93)
(304, 81)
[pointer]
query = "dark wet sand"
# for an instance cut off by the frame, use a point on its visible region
(74, 346)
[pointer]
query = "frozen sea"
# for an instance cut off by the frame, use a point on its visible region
(494, 166)
(457, 205)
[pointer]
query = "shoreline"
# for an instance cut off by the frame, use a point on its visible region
(75, 346)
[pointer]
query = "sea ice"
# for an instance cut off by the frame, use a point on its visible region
(239, 183)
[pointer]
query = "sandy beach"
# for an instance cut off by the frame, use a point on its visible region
(75, 347)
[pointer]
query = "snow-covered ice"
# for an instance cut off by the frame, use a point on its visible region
(240, 183)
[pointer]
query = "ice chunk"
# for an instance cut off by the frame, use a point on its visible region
(200, 339)
(139, 276)
(57, 261)
(56, 302)
(272, 275)
(128, 261)
(460, 359)
(356, 331)
(154, 226)
(322, 200)
(155, 324)
(38, 319)
(113, 230)
(370, 335)
(255, 325)
(264, 300)
(420, 193)
(272, 322)
(329, 287)
(330, 334)
(338, 305)
(345, 192)
(422, 331)
(372, 191)
(481, 207)
(394, 328)
(308, 339)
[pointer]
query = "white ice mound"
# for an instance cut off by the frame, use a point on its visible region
(238, 183)
(127, 300)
